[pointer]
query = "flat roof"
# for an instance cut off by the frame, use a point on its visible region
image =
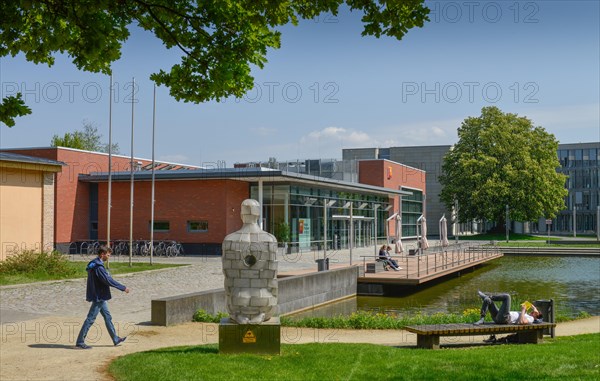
(15, 157)
(243, 174)
(101, 154)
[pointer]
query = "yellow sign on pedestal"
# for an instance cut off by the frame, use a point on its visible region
(249, 337)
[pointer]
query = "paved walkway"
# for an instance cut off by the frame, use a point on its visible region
(67, 298)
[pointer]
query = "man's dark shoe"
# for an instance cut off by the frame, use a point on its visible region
(492, 339)
(481, 295)
(121, 339)
(83, 346)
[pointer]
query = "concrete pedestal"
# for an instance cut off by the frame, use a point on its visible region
(262, 338)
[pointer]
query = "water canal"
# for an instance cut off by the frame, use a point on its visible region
(573, 283)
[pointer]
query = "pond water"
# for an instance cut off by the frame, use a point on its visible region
(573, 283)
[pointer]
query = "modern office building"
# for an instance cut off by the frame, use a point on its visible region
(200, 207)
(425, 158)
(579, 161)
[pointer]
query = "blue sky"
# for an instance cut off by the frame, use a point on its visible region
(328, 88)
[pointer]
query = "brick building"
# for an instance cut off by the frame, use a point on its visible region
(199, 207)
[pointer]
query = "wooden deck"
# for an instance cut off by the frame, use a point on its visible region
(418, 269)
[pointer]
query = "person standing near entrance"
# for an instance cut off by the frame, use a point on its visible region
(99, 283)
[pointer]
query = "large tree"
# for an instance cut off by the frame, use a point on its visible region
(88, 139)
(502, 159)
(219, 40)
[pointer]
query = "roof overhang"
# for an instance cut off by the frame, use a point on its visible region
(17, 161)
(250, 175)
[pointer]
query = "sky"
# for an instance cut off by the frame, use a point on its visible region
(327, 88)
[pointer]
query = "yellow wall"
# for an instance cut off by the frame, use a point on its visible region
(21, 198)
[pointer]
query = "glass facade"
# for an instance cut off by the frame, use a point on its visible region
(301, 208)
(412, 208)
(582, 166)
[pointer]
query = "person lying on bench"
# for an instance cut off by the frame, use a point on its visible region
(504, 315)
(384, 255)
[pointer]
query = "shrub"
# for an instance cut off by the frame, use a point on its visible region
(363, 320)
(32, 262)
(202, 316)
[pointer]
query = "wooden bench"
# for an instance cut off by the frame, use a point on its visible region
(375, 267)
(428, 336)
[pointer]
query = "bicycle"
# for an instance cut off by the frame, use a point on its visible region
(174, 249)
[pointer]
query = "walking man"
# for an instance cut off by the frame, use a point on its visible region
(99, 282)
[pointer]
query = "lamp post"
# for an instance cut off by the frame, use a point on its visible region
(574, 220)
(131, 169)
(598, 223)
(507, 223)
(456, 224)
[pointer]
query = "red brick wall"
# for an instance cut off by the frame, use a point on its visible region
(376, 172)
(217, 201)
(392, 175)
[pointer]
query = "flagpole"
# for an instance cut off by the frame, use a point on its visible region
(131, 175)
(109, 206)
(152, 196)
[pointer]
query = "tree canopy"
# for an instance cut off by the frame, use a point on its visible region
(502, 159)
(88, 139)
(219, 40)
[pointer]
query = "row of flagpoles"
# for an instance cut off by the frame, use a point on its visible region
(132, 169)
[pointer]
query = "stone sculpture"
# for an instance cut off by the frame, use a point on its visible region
(250, 268)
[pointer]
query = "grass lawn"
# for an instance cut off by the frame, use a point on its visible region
(544, 244)
(77, 271)
(501, 237)
(564, 358)
(523, 240)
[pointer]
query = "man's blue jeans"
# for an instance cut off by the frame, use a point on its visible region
(102, 308)
(500, 316)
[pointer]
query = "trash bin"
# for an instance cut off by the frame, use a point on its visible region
(322, 264)
(546, 307)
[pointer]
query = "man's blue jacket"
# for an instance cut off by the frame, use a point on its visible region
(99, 282)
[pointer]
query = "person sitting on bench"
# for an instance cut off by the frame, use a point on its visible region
(504, 315)
(386, 258)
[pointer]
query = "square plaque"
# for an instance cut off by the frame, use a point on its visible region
(264, 338)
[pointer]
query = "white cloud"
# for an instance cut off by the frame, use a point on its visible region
(338, 135)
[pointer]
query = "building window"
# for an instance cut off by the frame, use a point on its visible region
(412, 208)
(161, 226)
(197, 226)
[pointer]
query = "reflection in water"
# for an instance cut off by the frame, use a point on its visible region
(573, 283)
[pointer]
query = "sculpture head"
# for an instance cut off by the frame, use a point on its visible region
(250, 211)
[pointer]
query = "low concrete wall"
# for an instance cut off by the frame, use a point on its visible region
(295, 293)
